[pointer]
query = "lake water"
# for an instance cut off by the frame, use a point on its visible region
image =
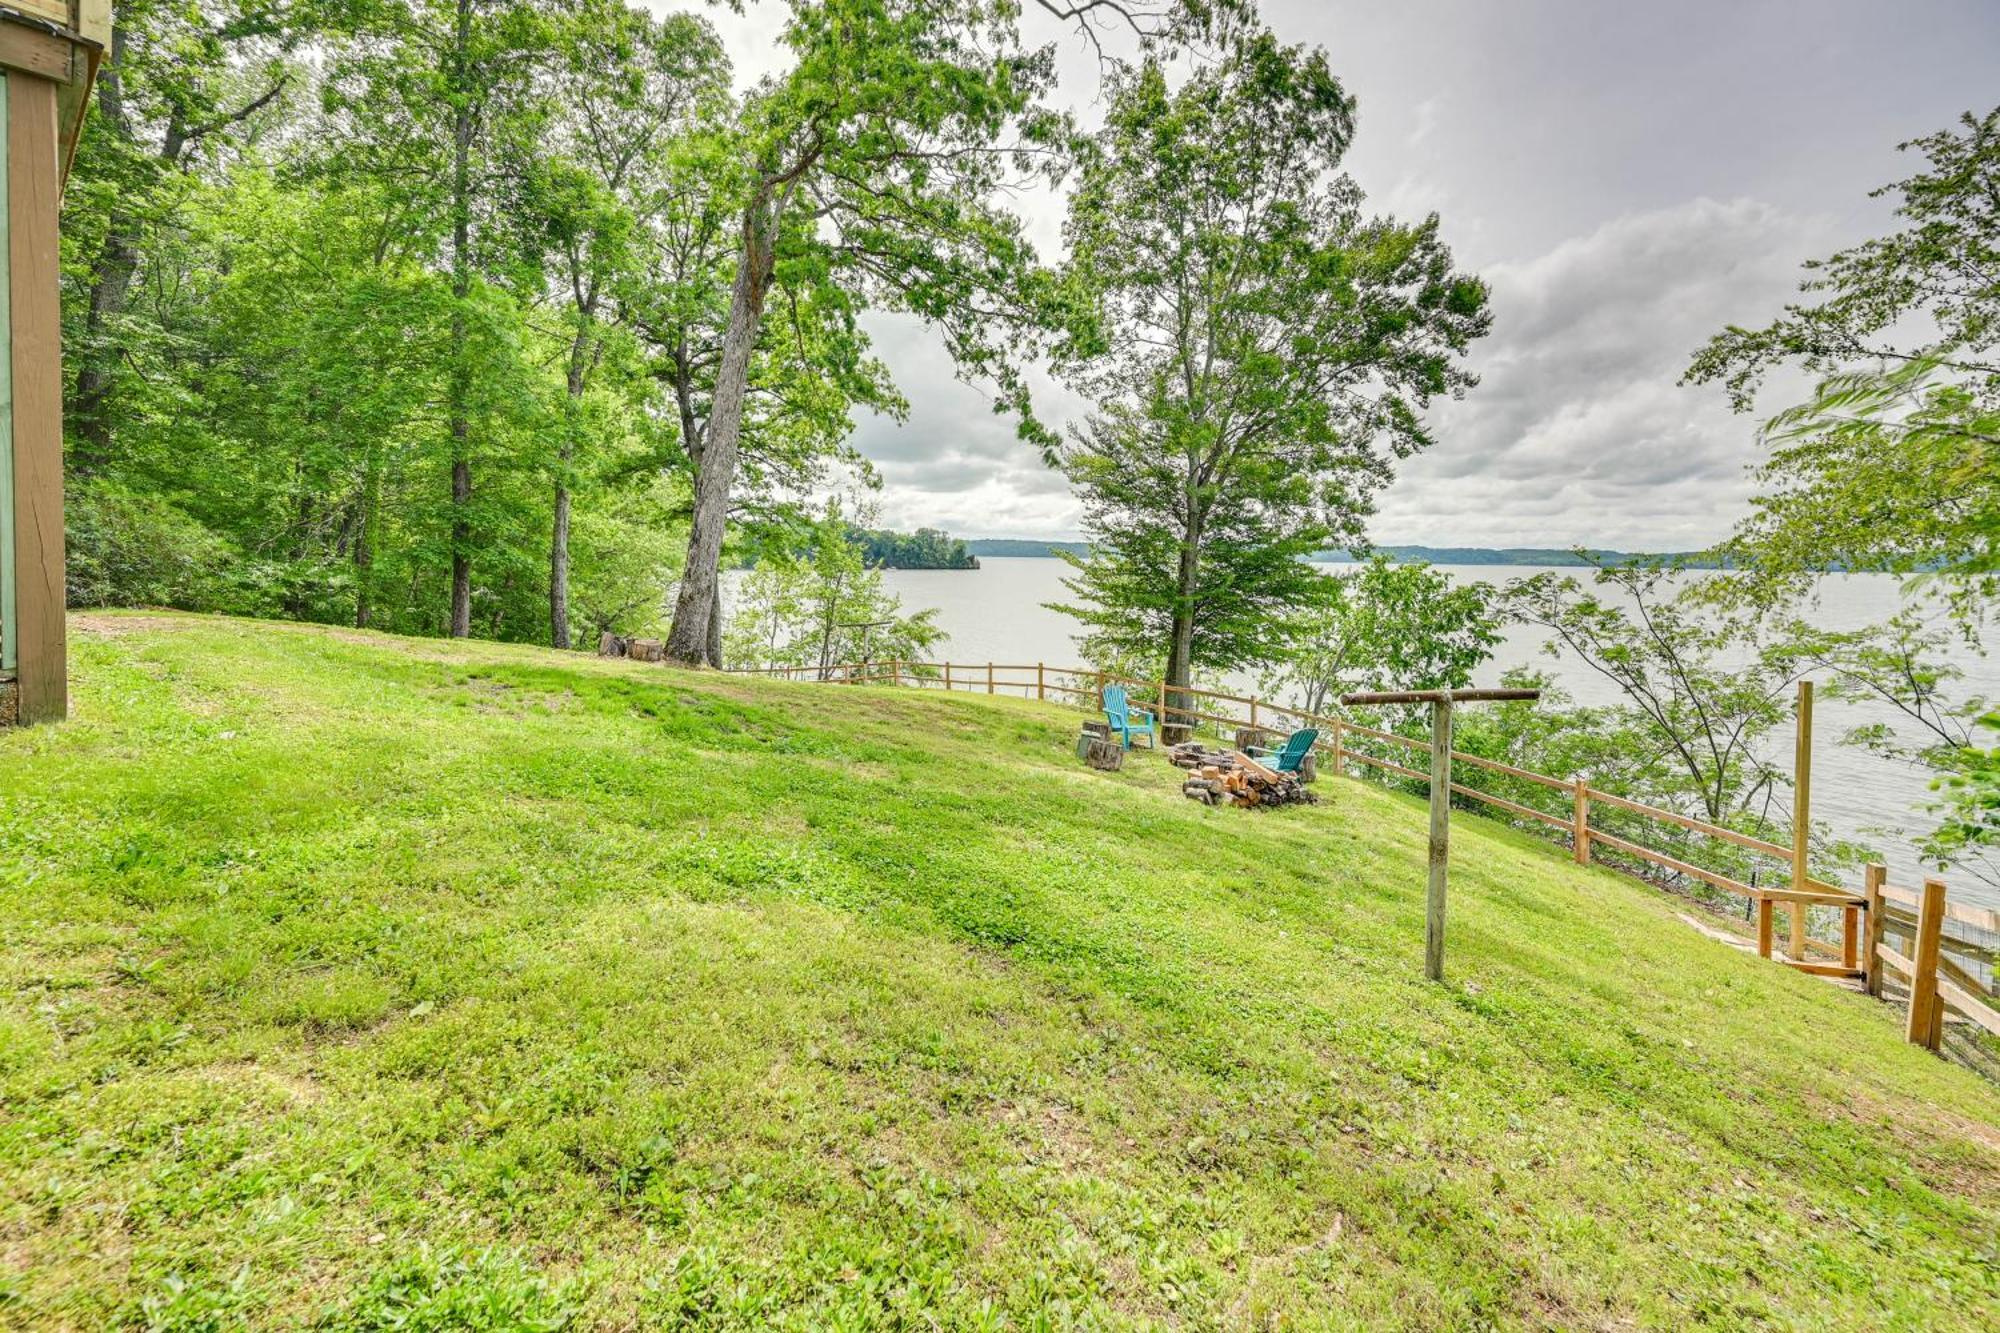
(996, 613)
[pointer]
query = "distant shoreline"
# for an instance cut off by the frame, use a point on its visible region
(1433, 555)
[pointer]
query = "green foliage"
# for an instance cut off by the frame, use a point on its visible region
(283, 353)
(1269, 349)
(1904, 666)
(1968, 805)
(127, 549)
(1891, 463)
(1894, 461)
(446, 1291)
(1389, 627)
(625, 553)
(825, 607)
(926, 548)
(1135, 592)
(1935, 276)
(1882, 469)
(367, 980)
(1703, 691)
(875, 172)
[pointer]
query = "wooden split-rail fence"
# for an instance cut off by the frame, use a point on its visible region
(1941, 956)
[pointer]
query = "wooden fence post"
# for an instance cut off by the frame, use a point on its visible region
(1440, 850)
(1580, 823)
(1801, 812)
(1763, 926)
(1924, 1025)
(947, 678)
(989, 678)
(1041, 683)
(1876, 875)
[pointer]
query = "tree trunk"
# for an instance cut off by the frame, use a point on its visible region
(559, 526)
(364, 542)
(1180, 652)
(111, 283)
(110, 288)
(695, 637)
(461, 372)
(295, 589)
(715, 627)
(559, 566)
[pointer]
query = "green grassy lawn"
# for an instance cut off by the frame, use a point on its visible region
(363, 982)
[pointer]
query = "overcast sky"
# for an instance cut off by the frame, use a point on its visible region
(1628, 178)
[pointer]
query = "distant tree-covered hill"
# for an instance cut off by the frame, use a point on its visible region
(1526, 555)
(1435, 555)
(1019, 546)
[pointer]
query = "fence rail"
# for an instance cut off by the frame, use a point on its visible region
(1935, 973)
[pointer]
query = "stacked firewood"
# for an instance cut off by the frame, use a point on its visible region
(1230, 777)
(639, 650)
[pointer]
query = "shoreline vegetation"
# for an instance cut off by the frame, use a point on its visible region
(934, 549)
(1566, 557)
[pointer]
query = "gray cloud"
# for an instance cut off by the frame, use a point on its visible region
(1578, 431)
(956, 463)
(1575, 151)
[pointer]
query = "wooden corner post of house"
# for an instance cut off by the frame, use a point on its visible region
(1925, 1024)
(49, 54)
(1875, 877)
(1440, 702)
(1801, 814)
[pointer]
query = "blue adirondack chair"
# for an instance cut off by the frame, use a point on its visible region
(1127, 721)
(1286, 758)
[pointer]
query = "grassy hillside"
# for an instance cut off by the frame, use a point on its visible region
(359, 980)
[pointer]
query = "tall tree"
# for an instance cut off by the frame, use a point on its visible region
(183, 83)
(875, 165)
(626, 89)
(809, 367)
(1271, 349)
(430, 95)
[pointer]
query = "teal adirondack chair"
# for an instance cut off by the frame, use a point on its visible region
(1286, 759)
(1127, 721)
